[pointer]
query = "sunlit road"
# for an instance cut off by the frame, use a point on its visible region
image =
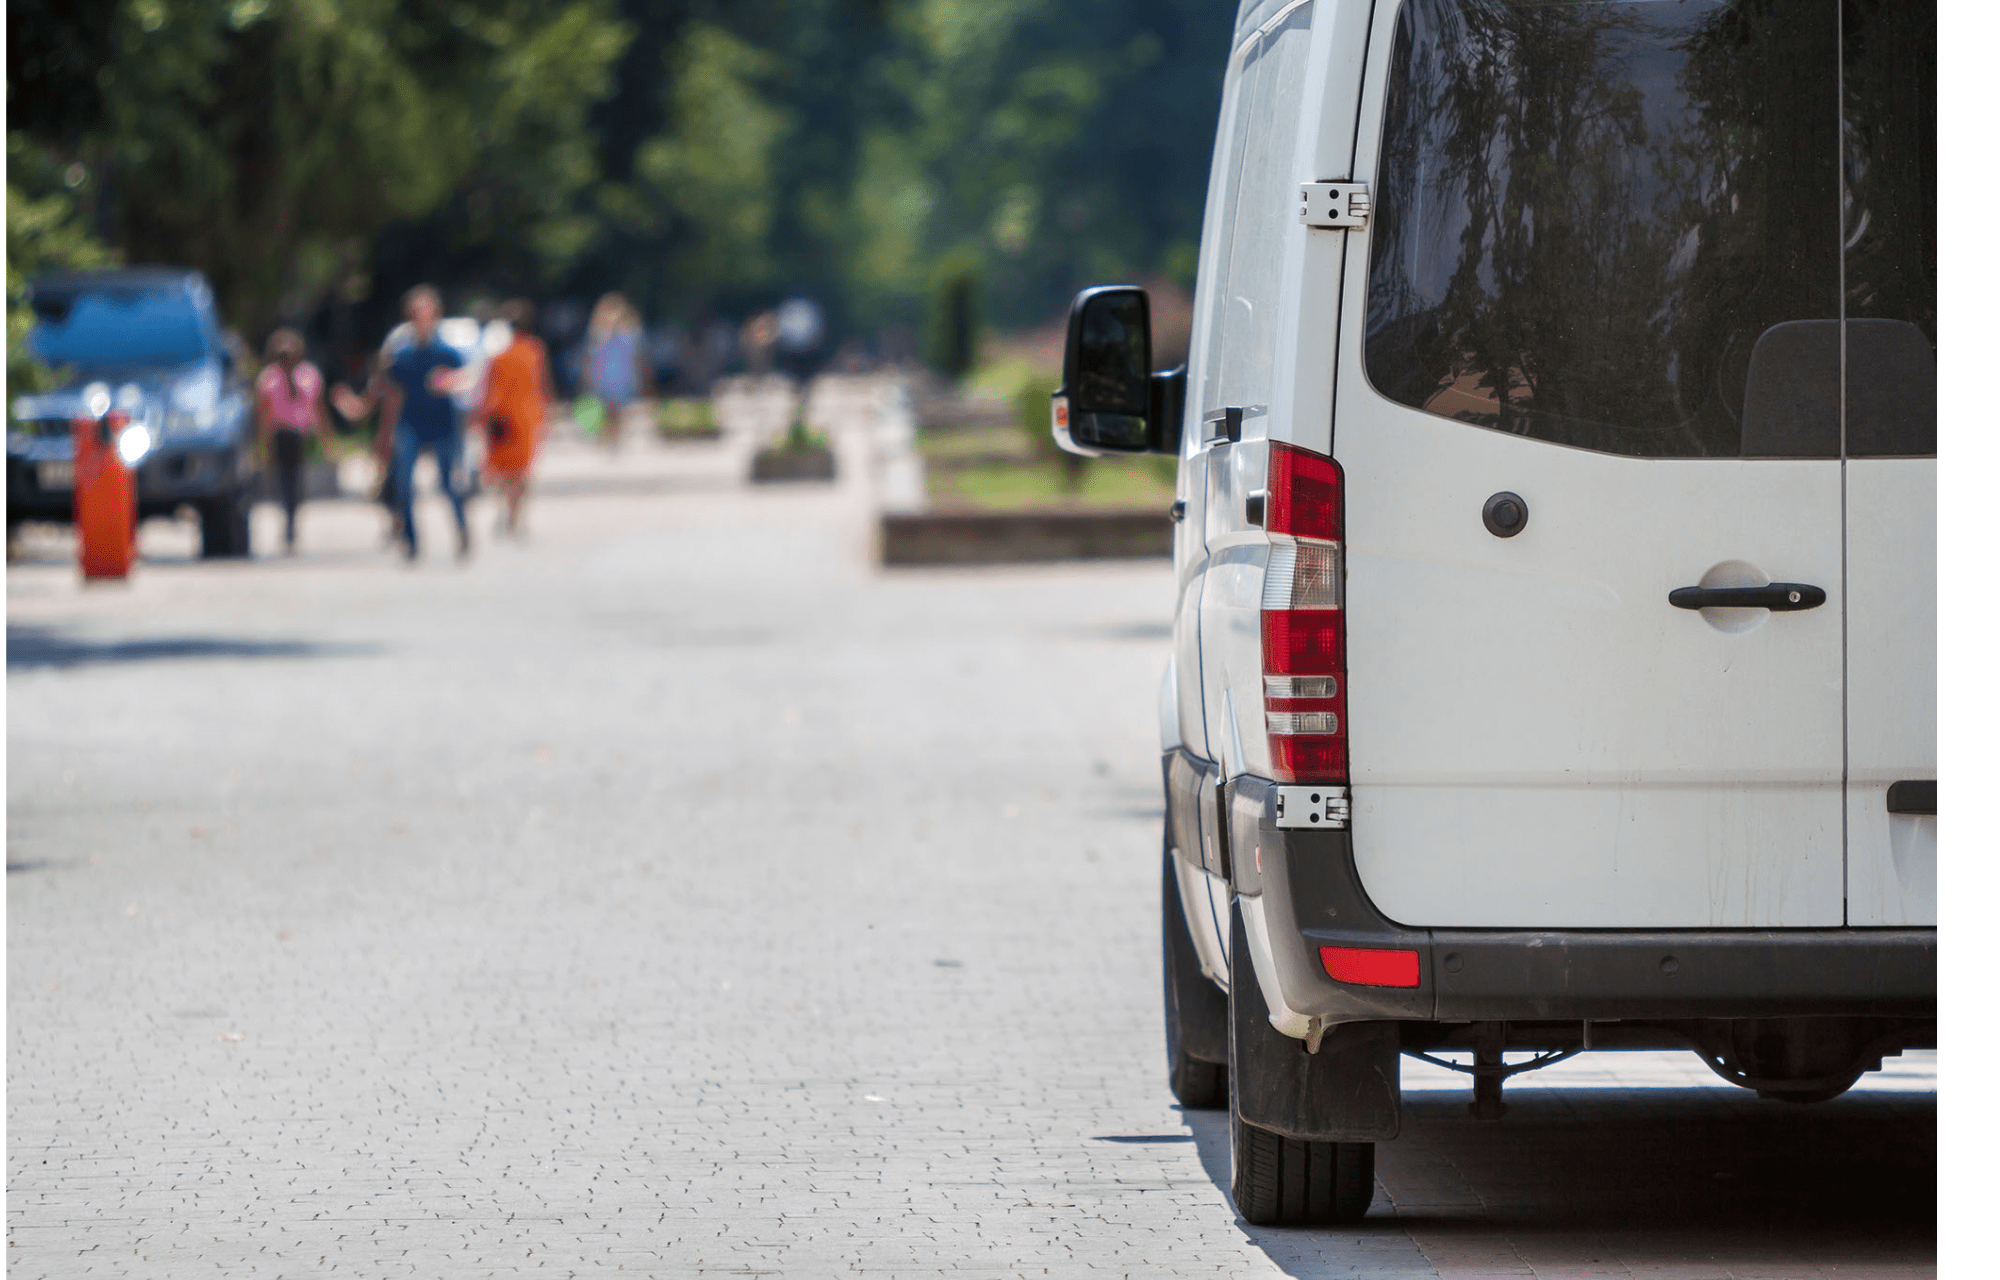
(677, 894)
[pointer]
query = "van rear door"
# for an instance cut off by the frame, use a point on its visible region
(1889, 84)
(1604, 274)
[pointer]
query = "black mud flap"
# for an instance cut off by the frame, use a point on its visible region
(1350, 1091)
(1197, 1011)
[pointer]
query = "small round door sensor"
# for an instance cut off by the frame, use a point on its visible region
(1505, 514)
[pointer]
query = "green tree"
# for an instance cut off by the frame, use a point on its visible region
(951, 344)
(706, 156)
(1049, 144)
(44, 233)
(268, 141)
(710, 177)
(1062, 144)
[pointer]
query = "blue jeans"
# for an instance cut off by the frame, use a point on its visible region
(446, 450)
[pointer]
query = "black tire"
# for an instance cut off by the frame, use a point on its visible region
(1276, 1180)
(1280, 1181)
(1197, 1012)
(1804, 1097)
(225, 527)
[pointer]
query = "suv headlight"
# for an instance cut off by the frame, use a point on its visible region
(133, 442)
(192, 402)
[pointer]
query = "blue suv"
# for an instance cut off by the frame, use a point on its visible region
(147, 337)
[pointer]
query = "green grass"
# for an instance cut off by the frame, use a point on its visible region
(1008, 468)
(1005, 379)
(684, 416)
(1107, 483)
(957, 446)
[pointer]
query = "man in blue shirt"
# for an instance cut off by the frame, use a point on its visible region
(418, 415)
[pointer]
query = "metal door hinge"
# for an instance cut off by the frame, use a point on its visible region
(1304, 808)
(1334, 204)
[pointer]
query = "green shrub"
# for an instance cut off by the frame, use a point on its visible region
(684, 415)
(800, 438)
(1031, 414)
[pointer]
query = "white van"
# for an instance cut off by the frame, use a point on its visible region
(1554, 649)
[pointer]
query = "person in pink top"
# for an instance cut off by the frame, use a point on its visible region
(290, 407)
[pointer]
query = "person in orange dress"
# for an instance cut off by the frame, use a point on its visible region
(517, 395)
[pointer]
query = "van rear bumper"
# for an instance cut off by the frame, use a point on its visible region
(1312, 898)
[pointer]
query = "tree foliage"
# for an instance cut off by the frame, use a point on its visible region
(44, 233)
(706, 157)
(268, 141)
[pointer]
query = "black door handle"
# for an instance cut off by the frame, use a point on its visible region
(1913, 797)
(1778, 597)
(1178, 511)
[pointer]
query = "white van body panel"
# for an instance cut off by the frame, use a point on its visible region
(1205, 904)
(1539, 740)
(1189, 560)
(1891, 687)
(1260, 267)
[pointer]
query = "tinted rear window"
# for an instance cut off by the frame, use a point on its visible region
(1889, 186)
(1620, 226)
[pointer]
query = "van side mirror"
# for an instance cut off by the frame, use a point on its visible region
(1109, 402)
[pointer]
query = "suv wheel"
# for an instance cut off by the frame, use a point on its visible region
(1276, 1180)
(225, 526)
(1197, 1012)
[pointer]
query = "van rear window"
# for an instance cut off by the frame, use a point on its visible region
(1657, 228)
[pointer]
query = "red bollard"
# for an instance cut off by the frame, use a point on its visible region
(106, 504)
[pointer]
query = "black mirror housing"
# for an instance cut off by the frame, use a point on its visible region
(1109, 402)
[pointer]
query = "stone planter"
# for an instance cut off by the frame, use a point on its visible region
(1002, 537)
(774, 465)
(689, 435)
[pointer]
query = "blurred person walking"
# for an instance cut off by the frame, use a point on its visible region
(289, 408)
(418, 378)
(355, 408)
(614, 368)
(517, 395)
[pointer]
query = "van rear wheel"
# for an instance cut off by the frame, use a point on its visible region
(1276, 1180)
(1280, 1181)
(1197, 1013)
(1803, 1097)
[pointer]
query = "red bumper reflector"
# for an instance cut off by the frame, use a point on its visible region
(1370, 966)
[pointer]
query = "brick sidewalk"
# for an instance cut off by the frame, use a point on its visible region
(676, 893)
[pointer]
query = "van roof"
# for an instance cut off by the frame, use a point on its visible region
(1252, 14)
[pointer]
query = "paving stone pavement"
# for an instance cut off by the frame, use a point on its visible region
(676, 894)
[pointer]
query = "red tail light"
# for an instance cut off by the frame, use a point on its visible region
(1305, 499)
(1371, 966)
(1305, 634)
